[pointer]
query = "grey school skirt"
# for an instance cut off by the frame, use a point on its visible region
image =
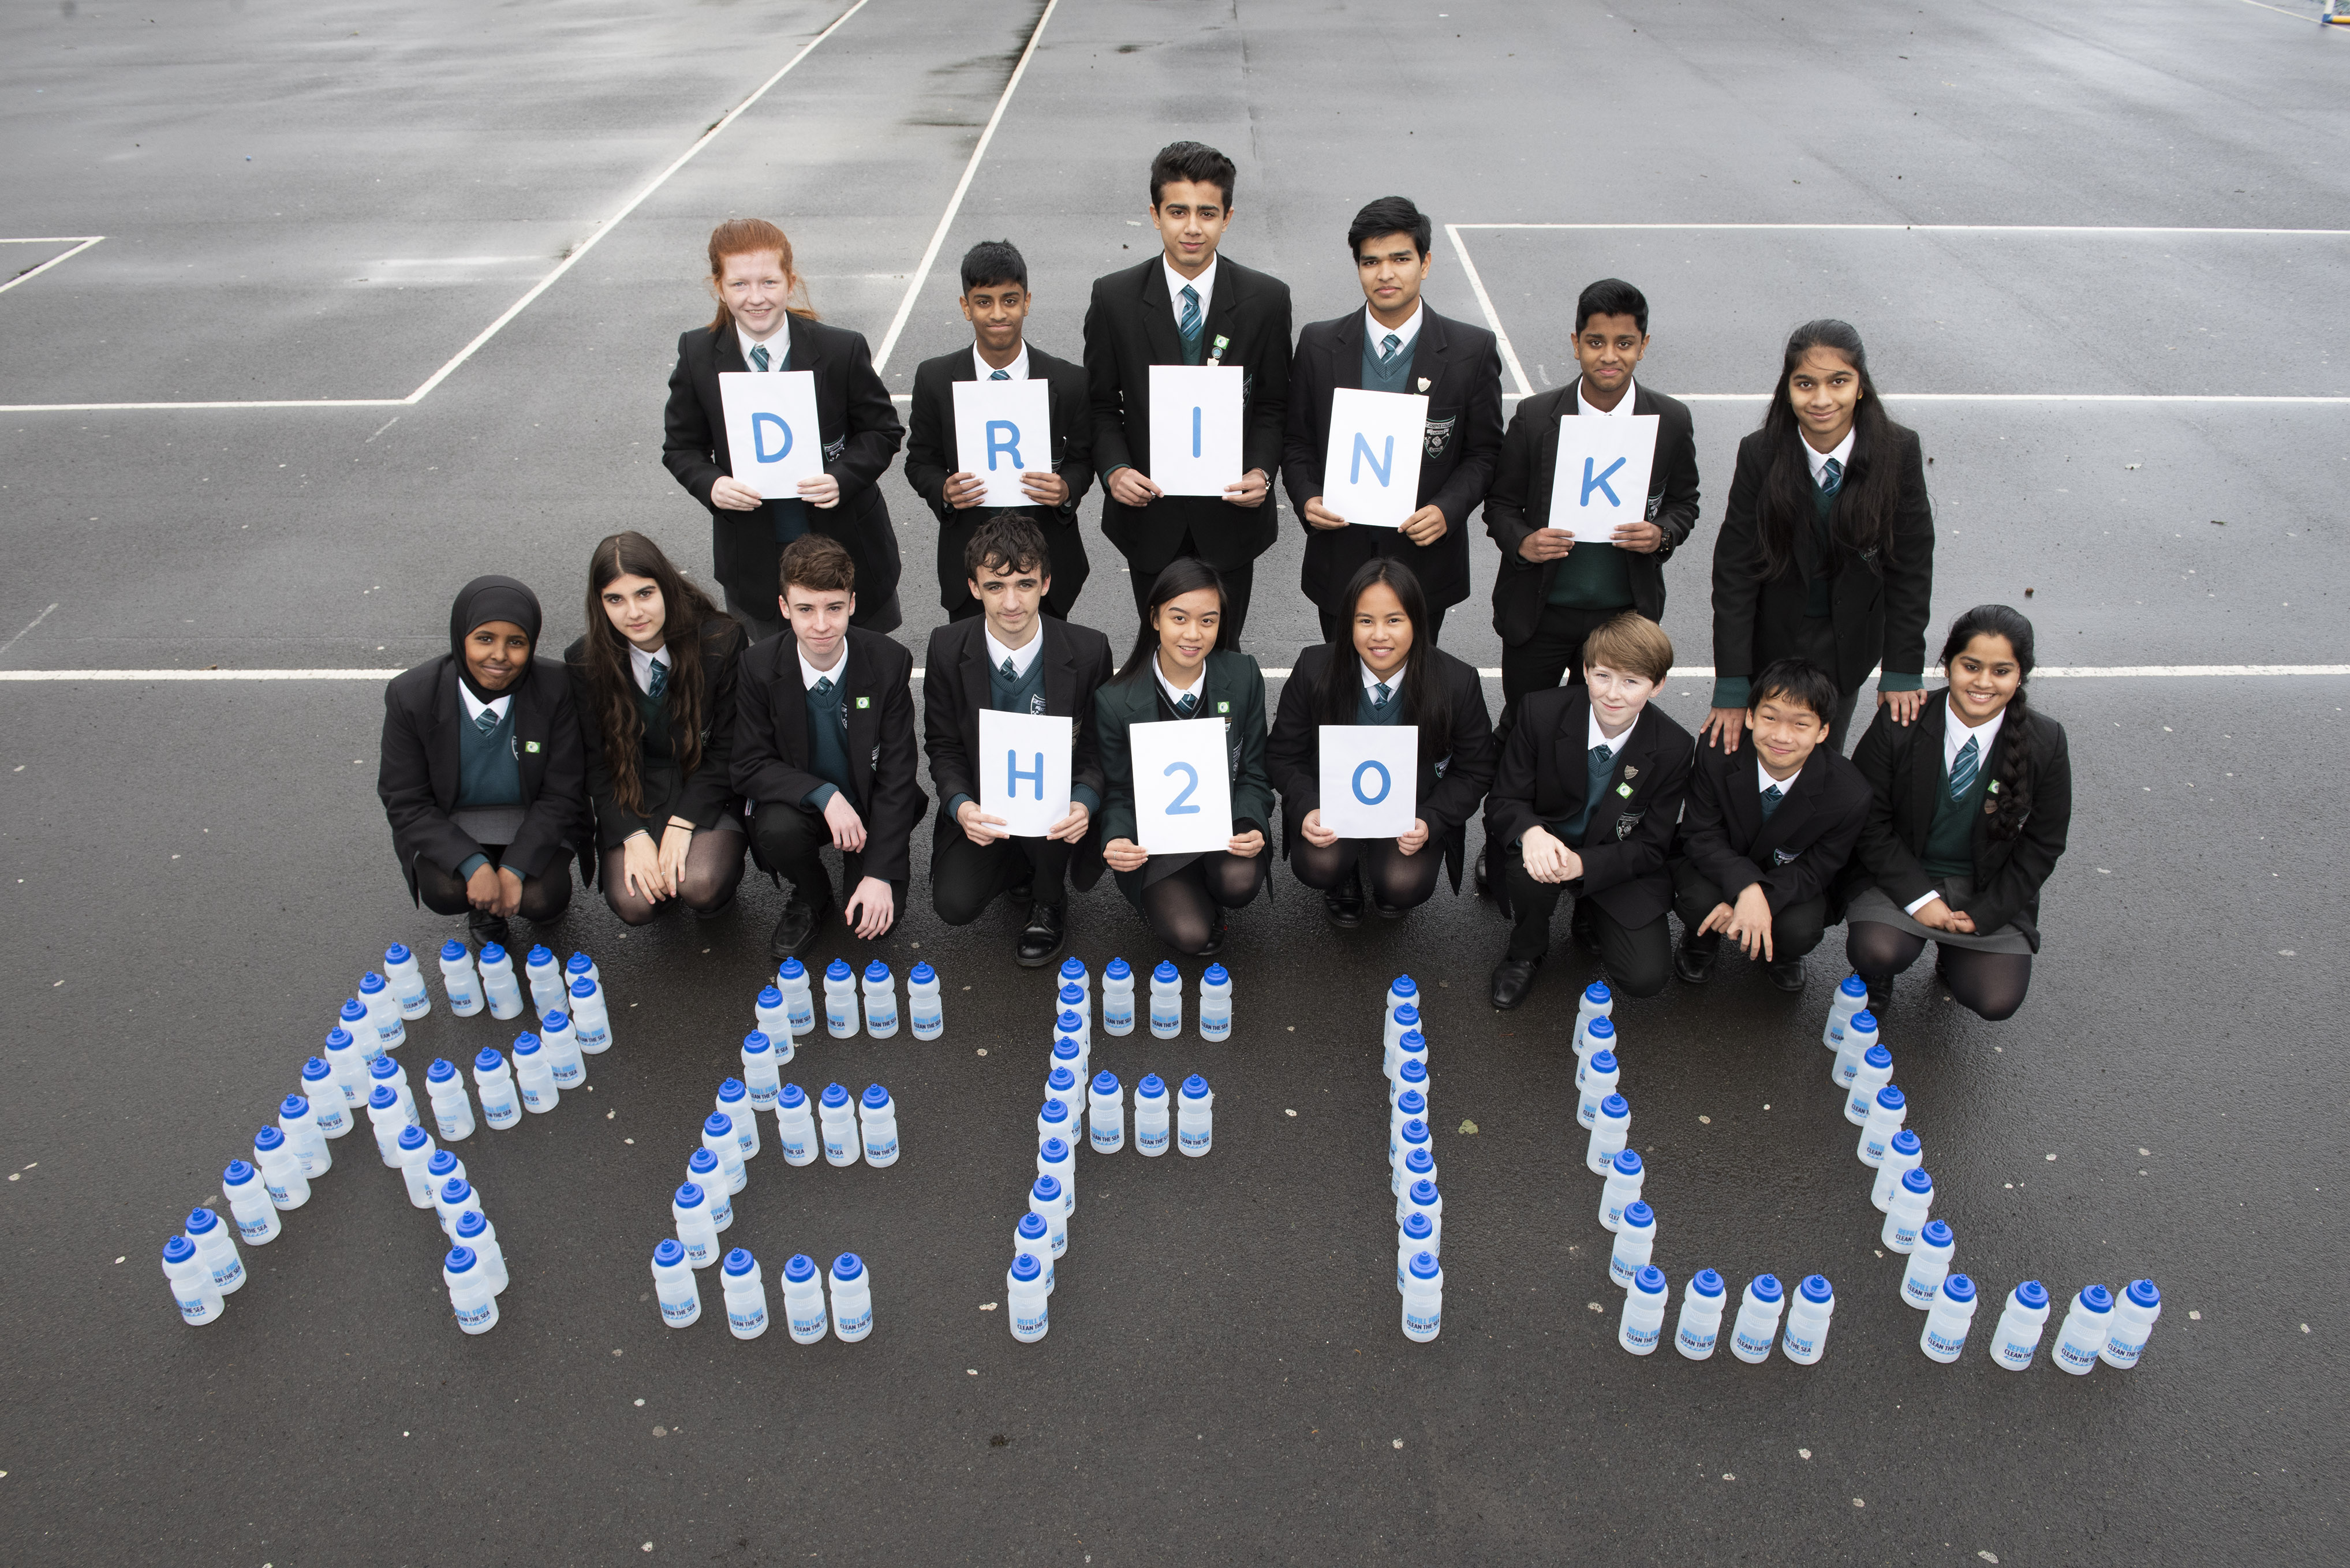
(1873, 905)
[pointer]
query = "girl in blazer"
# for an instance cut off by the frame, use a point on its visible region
(481, 767)
(1390, 671)
(1827, 548)
(1972, 808)
(1182, 667)
(653, 683)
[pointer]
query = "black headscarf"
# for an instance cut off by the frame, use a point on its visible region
(480, 602)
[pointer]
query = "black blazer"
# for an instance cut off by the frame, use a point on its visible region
(1131, 327)
(701, 797)
(1520, 504)
(771, 746)
(1543, 774)
(1796, 855)
(955, 687)
(1903, 765)
(1457, 753)
(1880, 605)
(1460, 367)
(860, 432)
(423, 764)
(931, 455)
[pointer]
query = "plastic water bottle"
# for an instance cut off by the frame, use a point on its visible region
(1700, 1328)
(1948, 1320)
(1412, 1075)
(769, 1010)
(736, 1101)
(795, 1125)
(840, 1126)
(2133, 1314)
(840, 999)
(281, 1172)
(690, 1208)
(501, 1102)
(1412, 1048)
(1025, 1299)
(1596, 1036)
(1851, 997)
(701, 1170)
(453, 1198)
(1409, 1138)
(348, 1063)
(545, 972)
(1423, 1298)
(1599, 1078)
(675, 1286)
(746, 1295)
(2017, 1339)
(475, 1305)
(475, 1230)
(1053, 1122)
(1596, 1001)
(1757, 1327)
(1411, 1105)
(1067, 1053)
(1608, 1131)
(852, 1298)
(1060, 1160)
(1905, 1215)
(1417, 1234)
(1643, 1323)
(591, 1018)
(876, 1114)
(383, 1011)
(560, 1039)
(389, 1122)
(1061, 1085)
(1883, 1120)
(1105, 1113)
(926, 1013)
(1903, 1153)
(1073, 972)
(1625, 1176)
(303, 1137)
(1422, 1198)
(1419, 1166)
(759, 1079)
(1215, 1005)
(1166, 1001)
(1401, 1021)
(498, 980)
(406, 978)
(458, 978)
(1118, 998)
(1074, 1017)
(1876, 1072)
(256, 1219)
(1031, 1239)
(452, 1108)
(440, 1169)
(1194, 1118)
(881, 1001)
(581, 966)
(1635, 1243)
(1860, 1035)
(799, 1003)
(1150, 1109)
(1402, 991)
(1048, 1203)
(1929, 1261)
(192, 1288)
(533, 1076)
(415, 1154)
(215, 1251)
(385, 1070)
(366, 1038)
(1807, 1320)
(803, 1315)
(718, 1137)
(2088, 1328)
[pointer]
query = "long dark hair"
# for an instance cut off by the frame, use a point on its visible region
(1862, 520)
(1342, 675)
(686, 611)
(2013, 770)
(1183, 575)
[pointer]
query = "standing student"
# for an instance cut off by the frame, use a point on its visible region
(481, 769)
(996, 301)
(1012, 658)
(1764, 837)
(1388, 671)
(653, 682)
(758, 328)
(1827, 548)
(1183, 667)
(1394, 344)
(824, 747)
(1971, 810)
(1590, 788)
(1188, 306)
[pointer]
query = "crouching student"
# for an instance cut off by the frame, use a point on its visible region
(1764, 837)
(1588, 794)
(481, 769)
(824, 747)
(1388, 671)
(1013, 658)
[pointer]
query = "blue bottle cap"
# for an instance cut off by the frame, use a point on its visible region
(847, 1266)
(440, 1072)
(1024, 1267)
(791, 969)
(1816, 1288)
(583, 988)
(2096, 1298)
(1627, 1163)
(1195, 1087)
(489, 1061)
(492, 954)
(1413, 1070)
(756, 1043)
(791, 1096)
(1415, 1227)
(835, 1097)
(1423, 1192)
(396, 954)
(179, 1250)
(1888, 1098)
(1614, 1107)
(1915, 1180)
(1052, 1151)
(1061, 1078)
(1650, 1280)
(1032, 1226)
(838, 970)
(1414, 1131)
(354, 1012)
(384, 1067)
(201, 1220)
(471, 1224)
(381, 1097)
(443, 1165)
(1065, 1049)
(293, 1105)
(730, 1088)
(1854, 986)
(1215, 976)
(1411, 1103)
(739, 1262)
(1958, 1287)
(1765, 1287)
(2142, 1293)
(2032, 1295)
(1413, 1040)
(923, 974)
(369, 983)
(1073, 995)
(771, 997)
(1705, 1282)
(1418, 1162)
(1408, 1015)
(456, 1191)
(340, 1039)
(718, 1124)
(525, 1045)
(555, 1024)
(1054, 1111)
(1073, 968)
(1152, 1088)
(238, 1173)
(1603, 1061)
(270, 1138)
(876, 973)
(580, 964)
(1639, 1215)
(539, 957)
(668, 1255)
(1105, 1083)
(1863, 1022)
(690, 1195)
(1117, 969)
(1403, 986)
(1069, 1022)
(876, 1097)
(460, 1260)
(701, 1162)
(1166, 972)
(453, 951)
(1878, 1057)
(799, 1268)
(1424, 1266)
(1598, 994)
(1600, 1029)
(1904, 1142)
(1047, 1189)
(1937, 1233)
(412, 1138)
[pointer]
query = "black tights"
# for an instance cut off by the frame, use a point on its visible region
(713, 869)
(1399, 881)
(1182, 908)
(544, 897)
(1989, 984)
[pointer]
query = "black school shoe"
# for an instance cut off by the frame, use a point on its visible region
(1787, 975)
(1512, 978)
(1693, 959)
(1215, 942)
(1345, 902)
(1043, 938)
(485, 927)
(797, 931)
(1579, 926)
(1880, 1000)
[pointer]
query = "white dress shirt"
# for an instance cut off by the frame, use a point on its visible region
(1373, 679)
(1954, 739)
(837, 674)
(642, 663)
(1404, 334)
(1841, 456)
(475, 707)
(1206, 286)
(1599, 737)
(1018, 370)
(1623, 404)
(779, 348)
(1175, 694)
(1021, 656)
(1764, 783)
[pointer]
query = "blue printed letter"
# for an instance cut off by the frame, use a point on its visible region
(1386, 782)
(1012, 775)
(1003, 436)
(1362, 455)
(1600, 483)
(759, 423)
(1195, 430)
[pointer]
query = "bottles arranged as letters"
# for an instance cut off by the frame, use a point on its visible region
(2133, 1314)
(1423, 1298)
(1948, 1320)
(1215, 1005)
(852, 1298)
(216, 1251)
(2017, 1337)
(192, 1289)
(1807, 1320)
(675, 1287)
(925, 1007)
(1118, 998)
(1166, 1001)
(1930, 1259)
(475, 1305)
(1700, 1328)
(1635, 1243)
(1025, 1299)
(1643, 1323)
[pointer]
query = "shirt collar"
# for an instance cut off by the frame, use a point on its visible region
(1022, 658)
(1955, 734)
(1623, 404)
(1175, 694)
(1599, 738)
(1176, 282)
(810, 674)
(1377, 334)
(779, 348)
(642, 663)
(1371, 679)
(1763, 781)
(475, 707)
(1016, 371)
(1842, 455)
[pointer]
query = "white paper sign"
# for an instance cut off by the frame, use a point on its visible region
(1371, 776)
(1024, 770)
(771, 429)
(1370, 475)
(1183, 794)
(1195, 427)
(1603, 473)
(1002, 429)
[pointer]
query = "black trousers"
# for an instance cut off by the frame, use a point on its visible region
(1553, 654)
(544, 897)
(966, 877)
(1639, 958)
(1335, 630)
(1238, 580)
(1795, 930)
(789, 839)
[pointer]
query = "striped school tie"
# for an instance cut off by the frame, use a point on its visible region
(1388, 347)
(1771, 799)
(1384, 691)
(1187, 704)
(1189, 323)
(999, 375)
(758, 355)
(660, 682)
(1963, 768)
(1831, 477)
(486, 722)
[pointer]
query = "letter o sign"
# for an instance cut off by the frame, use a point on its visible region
(1386, 782)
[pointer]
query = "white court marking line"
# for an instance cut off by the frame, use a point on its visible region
(1678, 672)
(2296, 16)
(80, 242)
(1492, 316)
(954, 202)
(29, 625)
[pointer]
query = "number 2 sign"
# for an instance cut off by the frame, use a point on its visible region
(1182, 791)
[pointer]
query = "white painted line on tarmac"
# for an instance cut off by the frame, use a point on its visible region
(29, 625)
(80, 242)
(1678, 672)
(1492, 316)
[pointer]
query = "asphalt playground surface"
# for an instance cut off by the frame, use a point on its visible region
(329, 201)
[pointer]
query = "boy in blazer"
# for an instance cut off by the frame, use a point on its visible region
(996, 301)
(1395, 344)
(824, 746)
(1011, 658)
(1763, 838)
(1188, 306)
(1589, 792)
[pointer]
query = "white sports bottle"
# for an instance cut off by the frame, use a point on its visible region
(560, 1040)
(877, 1116)
(746, 1295)
(1067, 1053)
(1150, 1116)
(1025, 1299)
(1410, 1106)
(383, 1011)
(1883, 1121)
(1412, 1047)
(1608, 1130)
(1421, 1198)
(415, 1154)
(348, 1063)
(545, 972)
(839, 999)
(1105, 1113)
(439, 1169)
(1410, 1137)
(759, 1079)
(675, 1286)
(799, 1000)
(1930, 1259)
(881, 1001)
(1417, 1234)
(795, 1125)
(1061, 1085)
(501, 1102)
(1059, 1161)
(591, 1018)
(1876, 1072)
(1423, 1298)
(1400, 1021)
(1596, 1001)
(198, 1298)
(1402, 991)
(1643, 1323)
(1075, 1014)
(1215, 1003)
(533, 1076)
(1166, 1001)
(1860, 1035)
(1623, 1189)
(1903, 1153)
(701, 1170)
(257, 1224)
(1700, 1328)
(470, 1296)
(1412, 1075)
(2017, 1337)
(769, 1010)
(1598, 1036)
(718, 1137)
(353, 1021)
(1635, 1243)
(1807, 1320)
(389, 1121)
(281, 1171)
(303, 1137)
(459, 980)
(1073, 972)
(216, 1251)
(1194, 1118)
(1045, 1202)
(1599, 1077)
(839, 1120)
(690, 1211)
(578, 965)
(452, 1108)
(803, 1315)
(2087, 1329)
(1905, 1215)
(1029, 1237)
(736, 1101)
(926, 1013)
(1419, 1166)
(1053, 1121)
(2133, 1314)
(406, 978)
(852, 1298)
(1851, 997)
(498, 980)
(1948, 1320)
(475, 1230)
(1118, 998)
(385, 1070)
(454, 1197)
(1757, 1328)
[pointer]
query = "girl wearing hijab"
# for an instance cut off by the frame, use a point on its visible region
(483, 769)
(653, 682)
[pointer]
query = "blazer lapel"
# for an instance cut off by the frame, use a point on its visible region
(1428, 357)
(1794, 809)
(726, 352)
(445, 758)
(1925, 769)
(1221, 308)
(864, 725)
(1346, 354)
(806, 354)
(529, 734)
(791, 726)
(1571, 756)
(1158, 316)
(1060, 672)
(976, 691)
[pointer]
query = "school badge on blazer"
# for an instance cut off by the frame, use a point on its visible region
(833, 450)
(1627, 822)
(1784, 857)
(1439, 433)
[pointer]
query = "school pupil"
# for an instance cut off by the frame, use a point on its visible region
(996, 302)
(1388, 671)
(1827, 547)
(1394, 344)
(652, 680)
(824, 748)
(480, 771)
(1183, 667)
(1764, 836)
(758, 327)
(1013, 658)
(1971, 807)
(1590, 786)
